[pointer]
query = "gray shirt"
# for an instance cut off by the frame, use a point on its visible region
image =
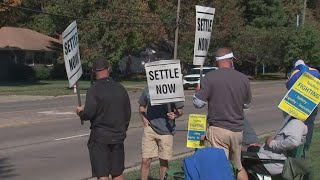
(157, 115)
(290, 137)
(226, 91)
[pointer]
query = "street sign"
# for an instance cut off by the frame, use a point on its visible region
(204, 23)
(164, 81)
(71, 53)
(302, 98)
(196, 128)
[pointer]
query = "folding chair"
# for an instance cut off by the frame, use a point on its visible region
(204, 164)
(294, 166)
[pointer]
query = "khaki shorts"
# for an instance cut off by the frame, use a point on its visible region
(227, 140)
(155, 145)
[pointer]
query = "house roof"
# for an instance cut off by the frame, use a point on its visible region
(27, 39)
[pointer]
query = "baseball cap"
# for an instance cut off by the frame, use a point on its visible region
(100, 63)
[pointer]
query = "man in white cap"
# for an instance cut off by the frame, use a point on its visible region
(225, 91)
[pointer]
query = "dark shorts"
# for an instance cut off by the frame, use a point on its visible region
(106, 159)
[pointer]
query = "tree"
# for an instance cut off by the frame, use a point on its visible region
(227, 25)
(265, 13)
(10, 3)
(259, 46)
(303, 45)
(8, 15)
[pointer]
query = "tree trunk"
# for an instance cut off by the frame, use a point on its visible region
(256, 70)
(263, 68)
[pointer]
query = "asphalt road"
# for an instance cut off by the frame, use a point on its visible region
(43, 139)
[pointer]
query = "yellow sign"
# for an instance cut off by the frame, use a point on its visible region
(302, 98)
(196, 128)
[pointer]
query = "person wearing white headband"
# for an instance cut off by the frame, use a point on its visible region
(225, 90)
(226, 56)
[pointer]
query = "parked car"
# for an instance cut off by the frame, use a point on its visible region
(193, 77)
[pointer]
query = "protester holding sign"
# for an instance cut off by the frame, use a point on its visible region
(109, 111)
(159, 128)
(299, 68)
(226, 91)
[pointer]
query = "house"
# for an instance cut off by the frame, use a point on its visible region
(25, 46)
(134, 64)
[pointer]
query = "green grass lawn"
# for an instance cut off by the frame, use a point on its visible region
(53, 88)
(312, 156)
(154, 171)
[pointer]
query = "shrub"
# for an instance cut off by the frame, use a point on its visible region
(21, 72)
(43, 73)
(59, 71)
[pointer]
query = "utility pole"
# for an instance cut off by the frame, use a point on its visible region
(304, 12)
(297, 24)
(175, 53)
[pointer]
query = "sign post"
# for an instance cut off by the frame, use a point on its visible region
(204, 23)
(164, 81)
(72, 57)
(196, 128)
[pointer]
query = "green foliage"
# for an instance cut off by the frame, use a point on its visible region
(257, 46)
(59, 71)
(304, 45)
(43, 23)
(19, 72)
(265, 13)
(42, 73)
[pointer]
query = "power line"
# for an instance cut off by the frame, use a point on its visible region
(73, 17)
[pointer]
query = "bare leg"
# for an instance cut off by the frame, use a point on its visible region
(163, 168)
(242, 175)
(103, 178)
(145, 166)
(118, 177)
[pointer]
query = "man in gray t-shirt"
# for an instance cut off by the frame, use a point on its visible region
(225, 91)
(159, 128)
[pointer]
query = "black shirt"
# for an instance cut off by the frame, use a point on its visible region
(109, 111)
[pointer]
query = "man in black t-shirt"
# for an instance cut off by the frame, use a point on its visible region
(109, 111)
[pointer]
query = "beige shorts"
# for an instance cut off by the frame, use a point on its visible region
(229, 141)
(155, 145)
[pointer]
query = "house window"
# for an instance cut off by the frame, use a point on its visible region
(39, 58)
(29, 58)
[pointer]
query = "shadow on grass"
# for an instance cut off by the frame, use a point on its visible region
(21, 83)
(6, 169)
